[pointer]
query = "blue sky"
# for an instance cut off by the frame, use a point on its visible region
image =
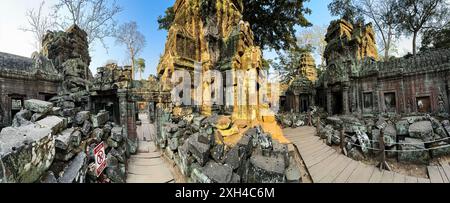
(144, 12)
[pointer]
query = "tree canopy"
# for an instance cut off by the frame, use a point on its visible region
(273, 22)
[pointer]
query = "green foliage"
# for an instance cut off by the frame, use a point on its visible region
(166, 21)
(346, 9)
(272, 21)
(419, 15)
(287, 63)
(436, 38)
(140, 65)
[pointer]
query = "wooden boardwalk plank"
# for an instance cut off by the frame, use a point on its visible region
(388, 177)
(362, 175)
(410, 179)
(376, 176)
(423, 180)
(435, 176)
(343, 177)
(446, 169)
(315, 152)
(326, 167)
(443, 175)
(336, 171)
(317, 159)
(320, 170)
(399, 178)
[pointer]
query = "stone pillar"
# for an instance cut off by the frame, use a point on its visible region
(297, 103)
(329, 102)
(345, 103)
(313, 98)
(123, 109)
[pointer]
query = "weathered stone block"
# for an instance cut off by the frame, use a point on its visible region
(75, 138)
(22, 118)
(422, 130)
(26, 153)
(37, 117)
(185, 159)
(218, 173)
(200, 151)
(86, 129)
(75, 172)
(293, 174)
(266, 169)
(38, 106)
(402, 127)
(233, 158)
(63, 140)
(100, 119)
(173, 144)
(56, 124)
(440, 149)
(117, 134)
(81, 117)
(98, 134)
(413, 151)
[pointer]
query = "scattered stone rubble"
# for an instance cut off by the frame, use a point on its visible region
(53, 142)
(52, 149)
(195, 144)
(413, 139)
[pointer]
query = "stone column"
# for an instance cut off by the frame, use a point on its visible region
(329, 102)
(123, 109)
(345, 103)
(297, 103)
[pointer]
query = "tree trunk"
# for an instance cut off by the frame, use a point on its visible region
(132, 63)
(414, 43)
(387, 46)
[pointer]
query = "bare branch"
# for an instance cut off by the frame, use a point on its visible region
(38, 24)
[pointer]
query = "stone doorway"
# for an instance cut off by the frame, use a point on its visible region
(337, 105)
(304, 103)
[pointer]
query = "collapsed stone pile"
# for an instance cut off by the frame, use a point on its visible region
(196, 145)
(45, 145)
(296, 120)
(414, 139)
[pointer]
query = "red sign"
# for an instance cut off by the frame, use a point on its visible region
(100, 158)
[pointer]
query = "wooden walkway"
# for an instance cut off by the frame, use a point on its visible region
(439, 174)
(148, 166)
(326, 165)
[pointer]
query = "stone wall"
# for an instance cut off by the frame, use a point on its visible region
(23, 78)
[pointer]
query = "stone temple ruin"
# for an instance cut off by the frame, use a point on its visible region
(54, 111)
(406, 98)
(55, 116)
(222, 144)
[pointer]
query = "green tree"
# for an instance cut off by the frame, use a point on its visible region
(273, 22)
(436, 38)
(415, 16)
(129, 36)
(287, 63)
(140, 65)
(347, 10)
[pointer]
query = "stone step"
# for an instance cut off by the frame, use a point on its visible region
(149, 170)
(148, 179)
(151, 155)
(145, 162)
